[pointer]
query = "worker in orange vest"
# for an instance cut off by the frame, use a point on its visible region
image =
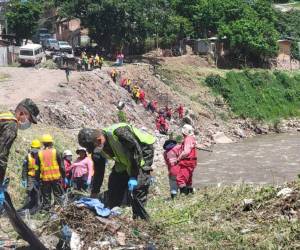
(29, 180)
(114, 74)
(51, 172)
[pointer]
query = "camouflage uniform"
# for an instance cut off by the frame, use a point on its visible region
(8, 134)
(118, 181)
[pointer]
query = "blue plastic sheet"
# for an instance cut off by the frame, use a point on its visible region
(96, 205)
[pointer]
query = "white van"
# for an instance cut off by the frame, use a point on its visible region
(31, 54)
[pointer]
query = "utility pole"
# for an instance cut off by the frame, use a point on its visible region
(156, 24)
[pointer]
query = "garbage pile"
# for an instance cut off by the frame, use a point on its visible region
(81, 228)
(281, 203)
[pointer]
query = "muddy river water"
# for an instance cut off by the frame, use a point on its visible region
(272, 159)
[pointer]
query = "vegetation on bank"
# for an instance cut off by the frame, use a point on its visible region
(260, 94)
(215, 218)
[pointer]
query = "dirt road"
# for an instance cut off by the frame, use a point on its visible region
(38, 84)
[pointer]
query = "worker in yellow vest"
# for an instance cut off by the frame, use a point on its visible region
(25, 114)
(51, 172)
(29, 178)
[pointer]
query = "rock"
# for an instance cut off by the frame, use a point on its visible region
(240, 133)
(248, 204)
(221, 138)
(187, 120)
(282, 127)
(121, 238)
(49, 241)
(216, 124)
(246, 230)
(285, 192)
(75, 243)
(261, 129)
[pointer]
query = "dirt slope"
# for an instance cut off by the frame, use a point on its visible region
(90, 99)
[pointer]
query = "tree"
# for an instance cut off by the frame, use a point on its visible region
(115, 24)
(251, 38)
(249, 26)
(22, 18)
(288, 25)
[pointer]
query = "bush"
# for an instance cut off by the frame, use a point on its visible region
(49, 64)
(261, 95)
(122, 116)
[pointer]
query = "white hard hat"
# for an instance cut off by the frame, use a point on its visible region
(81, 149)
(121, 105)
(67, 153)
(187, 129)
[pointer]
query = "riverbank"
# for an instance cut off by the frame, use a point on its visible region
(231, 217)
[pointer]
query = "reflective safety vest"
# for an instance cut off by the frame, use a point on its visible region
(32, 166)
(7, 117)
(49, 165)
(122, 156)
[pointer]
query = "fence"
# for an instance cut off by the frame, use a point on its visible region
(8, 55)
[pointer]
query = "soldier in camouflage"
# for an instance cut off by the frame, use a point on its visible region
(132, 150)
(25, 113)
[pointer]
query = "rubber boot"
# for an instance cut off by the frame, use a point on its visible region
(190, 190)
(184, 190)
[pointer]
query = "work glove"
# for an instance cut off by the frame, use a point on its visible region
(88, 184)
(37, 184)
(67, 182)
(2, 197)
(24, 183)
(132, 184)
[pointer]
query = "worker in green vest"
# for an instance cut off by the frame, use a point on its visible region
(132, 150)
(25, 113)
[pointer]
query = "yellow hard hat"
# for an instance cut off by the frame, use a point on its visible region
(47, 138)
(36, 144)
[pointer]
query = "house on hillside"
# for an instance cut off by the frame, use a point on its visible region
(284, 50)
(70, 30)
(284, 58)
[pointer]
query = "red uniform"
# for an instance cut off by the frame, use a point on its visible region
(187, 162)
(154, 105)
(171, 160)
(180, 112)
(142, 98)
(124, 83)
(161, 124)
(168, 112)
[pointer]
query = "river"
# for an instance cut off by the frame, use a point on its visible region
(271, 159)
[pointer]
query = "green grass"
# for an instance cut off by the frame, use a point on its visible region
(4, 77)
(63, 140)
(213, 218)
(260, 94)
(295, 5)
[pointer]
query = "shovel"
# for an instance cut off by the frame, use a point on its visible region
(19, 225)
(138, 207)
